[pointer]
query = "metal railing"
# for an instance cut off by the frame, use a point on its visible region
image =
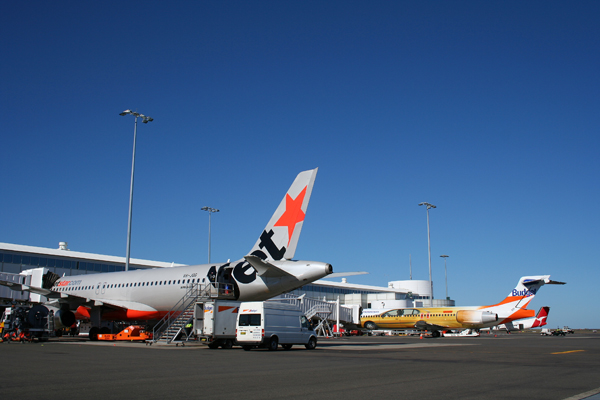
(169, 327)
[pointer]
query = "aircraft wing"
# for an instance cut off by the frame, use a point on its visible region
(425, 326)
(126, 305)
(266, 269)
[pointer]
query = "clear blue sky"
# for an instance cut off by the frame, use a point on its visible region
(489, 110)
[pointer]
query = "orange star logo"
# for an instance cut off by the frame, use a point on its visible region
(293, 213)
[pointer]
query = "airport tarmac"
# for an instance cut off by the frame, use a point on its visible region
(502, 366)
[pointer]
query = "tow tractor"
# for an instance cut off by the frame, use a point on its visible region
(130, 334)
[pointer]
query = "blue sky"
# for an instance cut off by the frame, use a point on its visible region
(487, 110)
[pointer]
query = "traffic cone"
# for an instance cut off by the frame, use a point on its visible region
(421, 337)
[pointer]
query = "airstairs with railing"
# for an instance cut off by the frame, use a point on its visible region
(172, 327)
(325, 313)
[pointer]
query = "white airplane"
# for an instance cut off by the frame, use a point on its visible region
(267, 271)
(527, 323)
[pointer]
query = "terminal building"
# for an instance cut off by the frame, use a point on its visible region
(17, 258)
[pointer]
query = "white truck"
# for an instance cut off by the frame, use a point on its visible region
(271, 323)
(214, 322)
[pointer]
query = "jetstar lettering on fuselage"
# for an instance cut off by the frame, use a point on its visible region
(149, 294)
(436, 319)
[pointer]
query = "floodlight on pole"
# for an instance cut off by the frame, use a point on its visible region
(210, 211)
(145, 119)
(429, 247)
(444, 256)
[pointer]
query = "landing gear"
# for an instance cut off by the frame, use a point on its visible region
(435, 334)
(370, 325)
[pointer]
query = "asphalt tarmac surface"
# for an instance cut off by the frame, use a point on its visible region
(487, 367)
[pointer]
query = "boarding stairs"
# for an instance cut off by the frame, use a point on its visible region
(171, 328)
(322, 313)
(325, 313)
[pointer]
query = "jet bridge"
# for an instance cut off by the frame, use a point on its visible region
(14, 286)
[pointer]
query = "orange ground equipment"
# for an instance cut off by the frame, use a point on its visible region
(131, 333)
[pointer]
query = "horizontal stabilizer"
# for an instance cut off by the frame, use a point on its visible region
(340, 274)
(543, 281)
(266, 269)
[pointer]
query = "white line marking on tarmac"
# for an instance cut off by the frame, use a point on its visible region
(586, 395)
(399, 346)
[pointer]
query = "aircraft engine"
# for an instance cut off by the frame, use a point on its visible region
(63, 319)
(475, 317)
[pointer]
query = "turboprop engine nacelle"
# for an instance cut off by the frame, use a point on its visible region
(63, 319)
(476, 317)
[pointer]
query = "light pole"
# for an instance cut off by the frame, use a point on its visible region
(145, 119)
(210, 211)
(429, 246)
(444, 256)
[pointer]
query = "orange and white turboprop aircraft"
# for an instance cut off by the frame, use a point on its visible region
(267, 271)
(436, 319)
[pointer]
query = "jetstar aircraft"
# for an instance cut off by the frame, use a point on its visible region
(267, 271)
(528, 323)
(436, 319)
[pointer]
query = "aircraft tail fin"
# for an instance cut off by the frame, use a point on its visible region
(541, 317)
(280, 237)
(526, 289)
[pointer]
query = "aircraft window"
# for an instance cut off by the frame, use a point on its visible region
(156, 283)
(188, 281)
(178, 281)
(169, 282)
(151, 283)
